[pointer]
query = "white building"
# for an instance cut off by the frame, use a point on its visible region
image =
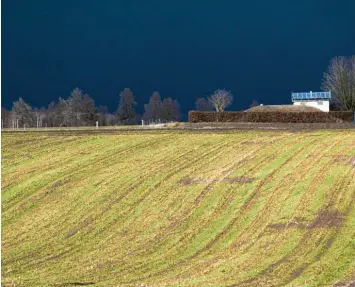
(319, 100)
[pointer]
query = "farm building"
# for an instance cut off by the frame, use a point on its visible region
(319, 100)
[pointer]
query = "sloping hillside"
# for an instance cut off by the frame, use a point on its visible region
(178, 208)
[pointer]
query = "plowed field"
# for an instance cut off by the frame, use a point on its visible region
(178, 208)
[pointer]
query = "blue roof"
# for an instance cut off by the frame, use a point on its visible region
(311, 96)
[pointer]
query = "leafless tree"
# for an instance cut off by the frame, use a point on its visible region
(110, 119)
(340, 80)
(52, 115)
(23, 113)
(78, 110)
(220, 99)
(5, 118)
(101, 115)
(40, 116)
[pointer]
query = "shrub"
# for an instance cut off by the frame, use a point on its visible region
(271, 117)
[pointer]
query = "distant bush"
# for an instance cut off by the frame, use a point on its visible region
(271, 117)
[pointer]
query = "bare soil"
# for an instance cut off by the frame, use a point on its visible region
(200, 127)
(327, 219)
(324, 219)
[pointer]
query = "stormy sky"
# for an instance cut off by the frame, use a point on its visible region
(257, 49)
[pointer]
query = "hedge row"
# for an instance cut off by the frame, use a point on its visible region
(271, 117)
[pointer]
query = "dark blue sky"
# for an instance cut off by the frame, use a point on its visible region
(258, 49)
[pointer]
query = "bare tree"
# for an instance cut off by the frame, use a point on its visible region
(40, 116)
(23, 113)
(5, 118)
(203, 105)
(220, 99)
(78, 110)
(51, 115)
(63, 113)
(101, 115)
(76, 107)
(110, 119)
(340, 80)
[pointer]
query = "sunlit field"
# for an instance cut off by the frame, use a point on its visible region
(178, 208)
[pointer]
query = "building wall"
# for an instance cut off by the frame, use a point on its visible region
(322, 105)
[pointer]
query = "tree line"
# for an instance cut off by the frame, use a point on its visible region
(79, 109)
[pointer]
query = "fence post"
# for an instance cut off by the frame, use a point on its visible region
(142, 123)
(17, 124)
(97, 124)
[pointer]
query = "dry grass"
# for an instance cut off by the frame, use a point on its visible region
(178, 208)
(283, 108)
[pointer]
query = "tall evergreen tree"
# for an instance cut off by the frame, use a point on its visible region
(75, 107)
(126, 110)
(88, 111)
(153, 110)
(170, 110)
